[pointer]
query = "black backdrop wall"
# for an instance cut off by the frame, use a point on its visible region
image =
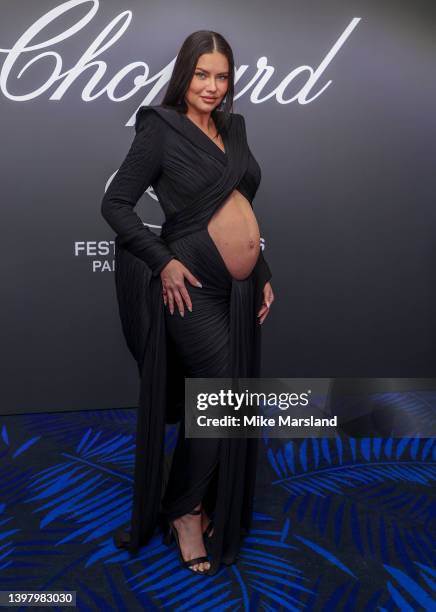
(339, 102)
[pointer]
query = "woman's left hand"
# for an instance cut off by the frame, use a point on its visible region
(268, 299)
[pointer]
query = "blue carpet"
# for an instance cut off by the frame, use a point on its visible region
(339, 524)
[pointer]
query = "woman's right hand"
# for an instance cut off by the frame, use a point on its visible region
(173, 286)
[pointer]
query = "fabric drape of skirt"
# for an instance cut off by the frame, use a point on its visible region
(220, 338)
(215, 340)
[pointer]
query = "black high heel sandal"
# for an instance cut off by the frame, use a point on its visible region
(168, 535)
(206, 532)
(187, 564)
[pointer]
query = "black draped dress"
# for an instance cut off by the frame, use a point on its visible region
(192, 177)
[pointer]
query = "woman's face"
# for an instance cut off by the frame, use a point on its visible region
(210, 80)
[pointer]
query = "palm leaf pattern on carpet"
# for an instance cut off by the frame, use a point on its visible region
(339, 523)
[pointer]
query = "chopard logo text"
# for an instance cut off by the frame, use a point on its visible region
(47, 65)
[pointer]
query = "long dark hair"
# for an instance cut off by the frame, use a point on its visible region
(197, 43)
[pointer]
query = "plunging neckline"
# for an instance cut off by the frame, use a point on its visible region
(224, 153)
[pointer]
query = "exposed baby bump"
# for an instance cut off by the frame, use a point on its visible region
(235, 232)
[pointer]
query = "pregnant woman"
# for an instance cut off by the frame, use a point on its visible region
(191, 300)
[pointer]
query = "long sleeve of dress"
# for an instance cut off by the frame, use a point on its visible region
(138, 171)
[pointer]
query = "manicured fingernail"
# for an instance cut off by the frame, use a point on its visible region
(199, 285)
(182, 314)
(190, 309)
